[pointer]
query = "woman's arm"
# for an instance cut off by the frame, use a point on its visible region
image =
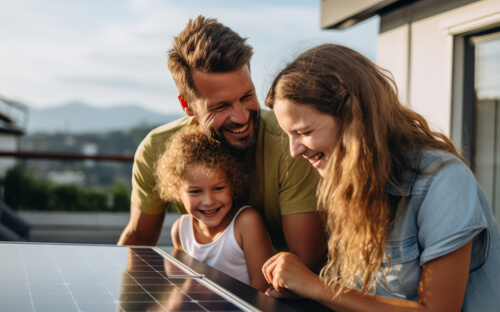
(251, 234)
(442, 285)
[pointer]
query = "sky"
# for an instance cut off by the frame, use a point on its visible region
(114, 52)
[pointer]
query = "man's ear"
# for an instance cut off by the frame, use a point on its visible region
(185, 106)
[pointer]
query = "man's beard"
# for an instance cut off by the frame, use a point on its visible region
(249, 141)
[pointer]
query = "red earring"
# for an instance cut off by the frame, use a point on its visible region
(184, 104)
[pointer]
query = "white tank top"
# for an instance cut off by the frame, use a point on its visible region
(224, 253)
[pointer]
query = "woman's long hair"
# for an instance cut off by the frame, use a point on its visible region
(376, 132)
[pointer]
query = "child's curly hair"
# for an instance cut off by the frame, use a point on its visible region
(190, 146)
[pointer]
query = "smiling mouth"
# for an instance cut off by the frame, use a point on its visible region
(209, 212)
(315, 158)
(239, 129)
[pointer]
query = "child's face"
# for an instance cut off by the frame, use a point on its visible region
(207, 196)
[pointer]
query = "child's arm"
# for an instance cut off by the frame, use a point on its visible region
(251, 234)
(174, 232)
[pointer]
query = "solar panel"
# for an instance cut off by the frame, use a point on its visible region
(44, 277)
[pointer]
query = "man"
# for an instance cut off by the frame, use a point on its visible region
(210, 65)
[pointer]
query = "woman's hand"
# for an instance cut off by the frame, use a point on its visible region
(442, 285)
(286, 273)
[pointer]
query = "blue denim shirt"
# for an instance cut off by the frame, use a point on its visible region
(441, 211)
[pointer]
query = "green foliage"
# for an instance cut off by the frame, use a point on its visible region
(24, 191)
(121, 195)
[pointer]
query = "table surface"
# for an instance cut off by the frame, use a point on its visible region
(38, 277)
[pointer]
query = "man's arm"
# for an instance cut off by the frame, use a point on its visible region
(176, 237)
(142, 229)
(306, 237)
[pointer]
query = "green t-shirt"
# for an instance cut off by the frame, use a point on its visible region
(279, 184)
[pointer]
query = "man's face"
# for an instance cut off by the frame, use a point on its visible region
(227, 106)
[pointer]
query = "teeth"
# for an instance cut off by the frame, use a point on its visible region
(210, 211)
(315, 158)
(241, 129)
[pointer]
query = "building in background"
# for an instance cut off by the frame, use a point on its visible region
(445, 58)
(13, 118)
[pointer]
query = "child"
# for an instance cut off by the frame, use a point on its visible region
(207, 179)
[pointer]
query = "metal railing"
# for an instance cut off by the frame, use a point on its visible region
(65, 156)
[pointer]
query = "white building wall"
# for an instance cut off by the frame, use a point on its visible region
(416, 45)
(431, 72)
(393, 55)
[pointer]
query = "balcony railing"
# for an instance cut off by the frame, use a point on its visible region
(65, 156)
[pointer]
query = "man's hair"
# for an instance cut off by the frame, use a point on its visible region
(190, 146)
(208, 46)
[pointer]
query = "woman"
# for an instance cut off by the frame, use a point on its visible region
(410, 228)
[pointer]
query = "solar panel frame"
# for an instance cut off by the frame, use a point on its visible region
(216, 288)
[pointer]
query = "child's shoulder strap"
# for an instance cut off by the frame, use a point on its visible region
(239, 211)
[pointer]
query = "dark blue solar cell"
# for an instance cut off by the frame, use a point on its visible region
(207, 296)
(152, 280)
(215, 306)
(141, 306)
(184, 306)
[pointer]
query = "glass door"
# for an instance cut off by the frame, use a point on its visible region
(485, 149)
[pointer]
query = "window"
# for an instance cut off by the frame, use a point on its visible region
(481, 111)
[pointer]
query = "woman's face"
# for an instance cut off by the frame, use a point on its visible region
(312, 134)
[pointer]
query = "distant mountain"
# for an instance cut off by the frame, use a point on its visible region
(77, 117)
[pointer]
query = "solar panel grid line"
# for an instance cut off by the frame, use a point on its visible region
(142, 285)
(191, 275)
(37, 282)
(216, 288)
(145, 289)
(40, 277)
(179, 264)
(65, 283)
(184, 276)
(193, 302)
(161, 263)
(116, 301)
(230, 299)
(27, 282)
